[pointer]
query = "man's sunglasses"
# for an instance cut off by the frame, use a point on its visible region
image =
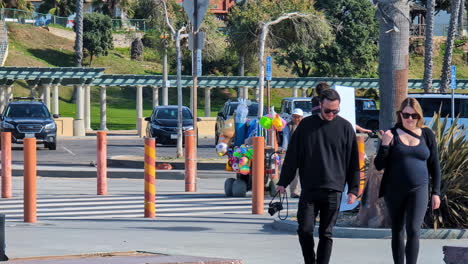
(328, 111)
(407, 115)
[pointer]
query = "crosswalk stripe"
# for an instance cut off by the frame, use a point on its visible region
(127, 206)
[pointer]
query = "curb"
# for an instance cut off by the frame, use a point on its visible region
(373, 233)
(137, 162)
(113, 173)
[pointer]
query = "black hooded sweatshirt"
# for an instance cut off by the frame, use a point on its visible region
(326, 154)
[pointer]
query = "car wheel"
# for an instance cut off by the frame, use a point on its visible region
(52, 145)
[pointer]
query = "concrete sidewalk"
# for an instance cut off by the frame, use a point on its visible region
(233, 235)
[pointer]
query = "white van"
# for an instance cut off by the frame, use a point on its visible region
(431, 103)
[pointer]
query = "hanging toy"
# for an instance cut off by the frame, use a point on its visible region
(235, 166)
(221, 149)
(265, 122)
(243, 161)
(277, 123)
(244, 170)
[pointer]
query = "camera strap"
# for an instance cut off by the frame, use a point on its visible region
(282, 198)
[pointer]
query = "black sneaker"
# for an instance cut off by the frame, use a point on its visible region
(294, 195)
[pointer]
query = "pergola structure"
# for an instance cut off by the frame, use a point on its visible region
(42, 79)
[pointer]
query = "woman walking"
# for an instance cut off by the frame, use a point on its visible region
(408, 153)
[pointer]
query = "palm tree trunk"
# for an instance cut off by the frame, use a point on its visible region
(461, 19)
(78, 42)
(241, 72)
(444, 82)
(429, 52)
(393, 57)
(79, 33)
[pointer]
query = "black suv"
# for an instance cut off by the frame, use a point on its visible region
(162, 124)
(29, 118)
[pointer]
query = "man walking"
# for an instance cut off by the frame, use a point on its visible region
(324, 149)
(288, 131)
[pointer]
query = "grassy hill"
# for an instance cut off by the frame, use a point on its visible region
(37, 47)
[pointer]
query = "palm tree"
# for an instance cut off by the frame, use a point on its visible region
(394, 22)
(444, 83)
(429, 52)
(79, 33)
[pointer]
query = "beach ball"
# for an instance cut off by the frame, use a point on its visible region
(221, 149)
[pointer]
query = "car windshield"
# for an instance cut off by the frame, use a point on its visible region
(27, 110)
(369, 105)
(306, 106)
(171, 113)
(253, 109)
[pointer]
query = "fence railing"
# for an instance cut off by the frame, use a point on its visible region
(3, 40)
(440, 30)
(39, 19)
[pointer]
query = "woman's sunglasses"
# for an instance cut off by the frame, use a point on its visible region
(328, 111)
(407, 115)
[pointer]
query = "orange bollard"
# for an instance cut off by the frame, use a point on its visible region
(29, 147)
(362, 174)
(258, 174)
(101, 163)
(190, 162)
(6, 165)
(150, 178)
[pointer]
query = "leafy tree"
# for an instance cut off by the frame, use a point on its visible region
(354, 51)
(17, 4)
(292, 41)
(97, 34)
(61, 8)
(109, 7)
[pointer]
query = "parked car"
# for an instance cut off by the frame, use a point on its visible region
(288, 104)
(367, 114)
(228, 111)
(162, 124)
(28, 117)
(431, 103)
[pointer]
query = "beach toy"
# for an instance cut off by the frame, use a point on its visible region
(265, 122)
(249, 153)
(228, 167)
(277, 123)
(243, 161)
(244, 170)
(229, 128)
(235, 166)
(221, 149)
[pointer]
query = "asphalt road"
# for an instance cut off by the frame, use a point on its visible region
(82, 151)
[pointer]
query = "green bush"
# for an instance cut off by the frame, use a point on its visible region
(453, 155)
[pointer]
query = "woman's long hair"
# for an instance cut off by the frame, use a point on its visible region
(413, 103)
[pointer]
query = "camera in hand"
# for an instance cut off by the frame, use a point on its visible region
(273, 208)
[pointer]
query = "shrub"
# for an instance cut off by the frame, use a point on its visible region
(453, 155)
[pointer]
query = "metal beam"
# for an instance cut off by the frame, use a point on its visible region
(31, 73)
(252, 82)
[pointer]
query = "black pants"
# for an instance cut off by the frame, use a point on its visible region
(327, 203)
(411, 207)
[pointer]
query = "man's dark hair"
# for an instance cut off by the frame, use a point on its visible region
(321, 87)
(330, 95)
